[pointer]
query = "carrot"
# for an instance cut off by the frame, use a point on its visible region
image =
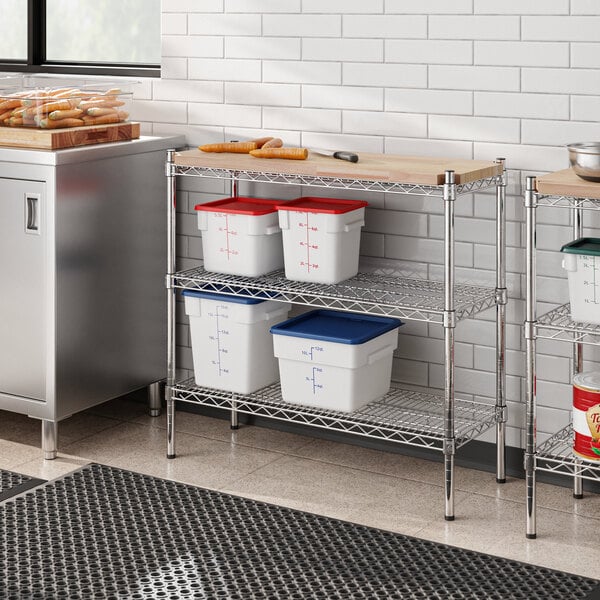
(104, 120)
(64, 92)
(62, 104)
(50, 124)
(99, 102)
(290, 153)
(260, 142)
(6, 104)
(97, 111)
(5, 115)
(19, 112)
(56, 115)
(239, 147)
(15, 122)
(273, 143)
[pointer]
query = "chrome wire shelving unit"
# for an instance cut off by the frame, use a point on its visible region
(439, 421)
(371, 293)
(409, 417)
(555, 455)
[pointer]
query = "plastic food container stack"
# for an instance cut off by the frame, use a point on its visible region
(49, 102)
(232, 348)
(321, 238)
(241, 236)
(586, 415)
(581, 260)
(334, 360)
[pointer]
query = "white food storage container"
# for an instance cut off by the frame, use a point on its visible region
(232, 348)
(581, 260)
(241, 236)
(334, 360)
(321, 238)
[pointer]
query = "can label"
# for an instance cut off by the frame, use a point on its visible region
(586, 423)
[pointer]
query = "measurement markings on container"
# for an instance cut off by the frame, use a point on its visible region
(312, 379)
(312, 351)
(230, 235)
(590, 268)
(308, 244)
(220, 337)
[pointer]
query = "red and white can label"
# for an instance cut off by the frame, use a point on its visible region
(586, 423)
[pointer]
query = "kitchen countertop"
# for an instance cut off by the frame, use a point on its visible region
(371, 167)
(91, 152)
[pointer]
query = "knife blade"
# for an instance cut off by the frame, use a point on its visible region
(339, 154)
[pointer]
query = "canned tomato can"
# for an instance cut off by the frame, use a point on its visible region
(586, 415)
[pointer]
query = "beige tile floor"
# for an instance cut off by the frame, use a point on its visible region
(386, 490)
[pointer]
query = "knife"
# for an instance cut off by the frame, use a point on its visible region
(341, 154)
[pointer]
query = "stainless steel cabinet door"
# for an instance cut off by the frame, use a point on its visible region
(23, 288)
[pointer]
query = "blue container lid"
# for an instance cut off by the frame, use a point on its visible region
(221, 297)
(334, 326)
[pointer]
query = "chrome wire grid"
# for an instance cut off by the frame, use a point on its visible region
(404, 416)
(371, 293)
(555, 455)
(333, 182)
(568, 202)
(558, 325)
(101, 532)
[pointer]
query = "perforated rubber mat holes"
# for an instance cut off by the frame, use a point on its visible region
(101, 532)
(12, 483)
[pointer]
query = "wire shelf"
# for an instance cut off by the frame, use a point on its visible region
(558, 325)
(371, 293)
(568, 202)
(333, 182)
(555, 455)
(403, 416)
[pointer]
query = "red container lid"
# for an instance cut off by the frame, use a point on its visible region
(322, 205)
(242, 206)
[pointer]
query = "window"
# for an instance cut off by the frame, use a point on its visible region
(106, 37)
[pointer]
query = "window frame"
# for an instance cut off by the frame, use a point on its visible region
(36, 54)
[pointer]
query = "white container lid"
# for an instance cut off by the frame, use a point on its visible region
(589, 381)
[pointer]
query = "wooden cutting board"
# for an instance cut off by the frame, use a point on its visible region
(370, 167)
(567, 183)
(55, 139)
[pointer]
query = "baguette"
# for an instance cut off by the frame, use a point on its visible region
(289, 153)
(238, 147)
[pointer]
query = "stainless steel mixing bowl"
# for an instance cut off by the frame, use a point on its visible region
(585, 160)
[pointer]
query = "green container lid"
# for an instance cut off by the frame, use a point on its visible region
(584, 245)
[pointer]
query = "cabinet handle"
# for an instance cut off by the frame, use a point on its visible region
(32, 217)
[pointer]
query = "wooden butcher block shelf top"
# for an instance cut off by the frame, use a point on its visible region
(56, 139)
(567, 183)
(371, 167)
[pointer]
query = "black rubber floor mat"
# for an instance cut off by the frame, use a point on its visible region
(12, 483)
(101, 532)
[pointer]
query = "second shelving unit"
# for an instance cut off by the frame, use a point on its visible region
(562, 189)
(427, 420)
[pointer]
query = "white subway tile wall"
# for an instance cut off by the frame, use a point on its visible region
(466, 79)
